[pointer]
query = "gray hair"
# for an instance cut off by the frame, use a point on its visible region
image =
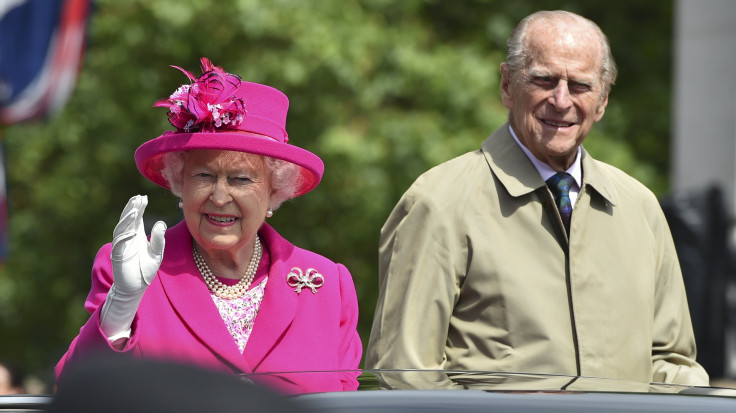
(286, 178)
(518, 57)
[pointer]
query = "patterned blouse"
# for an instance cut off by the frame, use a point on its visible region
(239, 314)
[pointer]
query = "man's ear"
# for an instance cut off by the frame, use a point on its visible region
(506, 85)
(601, 108)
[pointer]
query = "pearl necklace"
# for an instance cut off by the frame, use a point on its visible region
(229, 291)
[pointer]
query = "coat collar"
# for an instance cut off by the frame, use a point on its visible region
(190, 298)
(595, 178)
(517, 174)
(279, 304)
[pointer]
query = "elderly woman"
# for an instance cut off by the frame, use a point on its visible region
(222, 289)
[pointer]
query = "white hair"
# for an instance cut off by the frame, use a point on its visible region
(518, 57)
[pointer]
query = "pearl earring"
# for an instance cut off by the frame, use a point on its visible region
(269, 213)
(181, 204)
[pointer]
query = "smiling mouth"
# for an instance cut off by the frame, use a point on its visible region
(220, 219)
(557, 124)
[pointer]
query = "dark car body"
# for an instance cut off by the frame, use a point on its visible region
(389, 391)
(481, 391)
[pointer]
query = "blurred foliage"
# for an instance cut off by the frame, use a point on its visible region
(382, 90)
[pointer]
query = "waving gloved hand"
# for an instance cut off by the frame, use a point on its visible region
(135, 262)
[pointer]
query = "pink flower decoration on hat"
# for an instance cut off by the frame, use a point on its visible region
(208, 103)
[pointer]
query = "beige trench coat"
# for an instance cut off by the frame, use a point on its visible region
(477, 273)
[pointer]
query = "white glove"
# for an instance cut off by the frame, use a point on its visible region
(135, 262)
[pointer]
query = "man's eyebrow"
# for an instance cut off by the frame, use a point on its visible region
(532, 73)
(536, 74)
(589, 83)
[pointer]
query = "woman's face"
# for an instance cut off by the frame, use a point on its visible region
(225, 196)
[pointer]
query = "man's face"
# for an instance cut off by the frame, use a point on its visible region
(554, 103)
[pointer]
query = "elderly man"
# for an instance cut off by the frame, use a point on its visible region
(528, 255)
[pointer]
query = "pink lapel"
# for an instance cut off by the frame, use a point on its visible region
(279, 301)
(190, 297)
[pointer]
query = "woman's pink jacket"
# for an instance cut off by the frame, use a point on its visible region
(178, 321)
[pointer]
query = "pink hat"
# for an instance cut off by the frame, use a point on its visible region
(219, 111)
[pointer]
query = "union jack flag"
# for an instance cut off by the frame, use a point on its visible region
(41, 47)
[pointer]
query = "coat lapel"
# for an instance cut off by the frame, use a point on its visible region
(510, 164)
(599, 181)
(191, 299)
(279, 304)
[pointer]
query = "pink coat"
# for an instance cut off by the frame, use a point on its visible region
(177, 319)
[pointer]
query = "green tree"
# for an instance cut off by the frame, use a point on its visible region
(382, 90)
